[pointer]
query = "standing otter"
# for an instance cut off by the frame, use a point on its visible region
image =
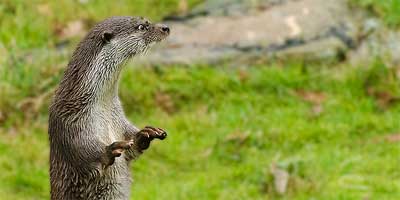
(91, 141)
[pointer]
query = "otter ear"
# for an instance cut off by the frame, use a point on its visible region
(107, 36)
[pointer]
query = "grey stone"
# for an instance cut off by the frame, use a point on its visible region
(310, 30)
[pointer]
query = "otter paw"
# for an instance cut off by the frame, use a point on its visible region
(146, 135)
(117, 148)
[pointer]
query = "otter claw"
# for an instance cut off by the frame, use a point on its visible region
(152, 132)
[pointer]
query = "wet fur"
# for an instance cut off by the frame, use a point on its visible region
(86, 114)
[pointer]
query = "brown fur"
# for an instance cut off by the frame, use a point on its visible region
(91, 141)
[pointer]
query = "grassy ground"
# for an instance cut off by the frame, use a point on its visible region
(334, 129)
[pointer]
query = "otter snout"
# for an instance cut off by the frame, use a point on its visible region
(164, 28)
(158, 33)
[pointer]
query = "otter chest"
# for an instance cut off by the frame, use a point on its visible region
(107, 128)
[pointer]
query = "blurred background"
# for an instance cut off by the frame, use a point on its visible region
(262, 99)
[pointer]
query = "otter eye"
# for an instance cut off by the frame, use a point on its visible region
(141, 27)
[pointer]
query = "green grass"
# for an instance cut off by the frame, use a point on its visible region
(36, 23)
(226, 131)
(327, 126)
(388, 10)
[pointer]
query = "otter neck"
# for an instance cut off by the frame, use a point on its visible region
(103, 77)
(92, 77)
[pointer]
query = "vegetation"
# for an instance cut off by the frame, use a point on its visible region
(333, 129)
(389, 10)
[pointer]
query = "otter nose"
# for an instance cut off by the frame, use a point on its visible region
(165, 28)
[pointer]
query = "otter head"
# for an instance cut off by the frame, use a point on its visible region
(127, 36)
(98, 57)
(118, 38)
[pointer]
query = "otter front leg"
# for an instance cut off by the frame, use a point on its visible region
(115, 150)
(142, 140)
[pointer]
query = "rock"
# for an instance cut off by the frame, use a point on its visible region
(221, 30)
(281, 179)
(378, 42)
(330, 49)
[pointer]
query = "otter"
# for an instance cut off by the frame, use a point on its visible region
(91, 140)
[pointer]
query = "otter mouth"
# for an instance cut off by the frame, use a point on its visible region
(156, 40)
